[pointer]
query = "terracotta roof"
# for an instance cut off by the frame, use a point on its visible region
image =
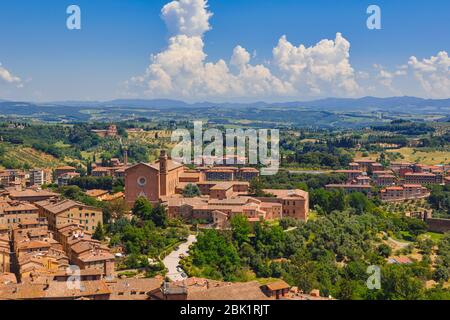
(123, 286)
(21, 207)
(223, 185)
(115, 196)
(31, 193)
(420, 175)
(96, 193)
(278, 285)
(66, 168)
(394, 188)
(235, 291)
(61, 206)
(33, 245)
(190, 175)
(297, 193)
(171, 165)
(53, 290)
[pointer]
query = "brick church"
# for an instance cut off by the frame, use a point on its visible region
(152, 181)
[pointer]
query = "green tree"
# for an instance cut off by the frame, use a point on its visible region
(159, 216)
(99, 233)
(359, 202)
(441, 274)
(241, 229)
(191, 191)
(142, 208)
(384, 250)
(398, 283)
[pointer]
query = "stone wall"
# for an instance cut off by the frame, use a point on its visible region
(438, 225)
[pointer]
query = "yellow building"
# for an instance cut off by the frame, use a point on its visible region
(64, 212)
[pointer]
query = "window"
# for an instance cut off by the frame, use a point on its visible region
(142, 181)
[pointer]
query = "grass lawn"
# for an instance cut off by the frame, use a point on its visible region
(425, 157)
(436, 237)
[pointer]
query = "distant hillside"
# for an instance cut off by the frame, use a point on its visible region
(19, 156)
(116, 110)
(400, 103)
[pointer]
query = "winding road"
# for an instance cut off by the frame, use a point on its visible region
(173, 259)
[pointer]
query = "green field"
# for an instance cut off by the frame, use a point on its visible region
(424, 156)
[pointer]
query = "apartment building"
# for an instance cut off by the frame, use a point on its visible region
(64, 179)
(39, 177)
(350, 174)
(218, 211)
(63, 170)
(63, 212)
(383, 180)
(295, 203)
(14, 212)
(221, 174)
(230, 173)
(239, 187)
(405, 192)
(423, 178)
(85, 252)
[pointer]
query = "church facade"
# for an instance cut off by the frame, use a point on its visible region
(152, 181)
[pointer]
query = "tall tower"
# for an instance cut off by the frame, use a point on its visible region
(125, 155)
(163, 172)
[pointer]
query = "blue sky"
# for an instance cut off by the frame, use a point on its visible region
(46, 61)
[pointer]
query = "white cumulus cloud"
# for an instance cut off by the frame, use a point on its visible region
(8, 77)
(182, 69)
(188, 17)
(321, 69)
(433, 74)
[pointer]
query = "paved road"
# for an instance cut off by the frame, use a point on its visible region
(399, 244)
(173, 259)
